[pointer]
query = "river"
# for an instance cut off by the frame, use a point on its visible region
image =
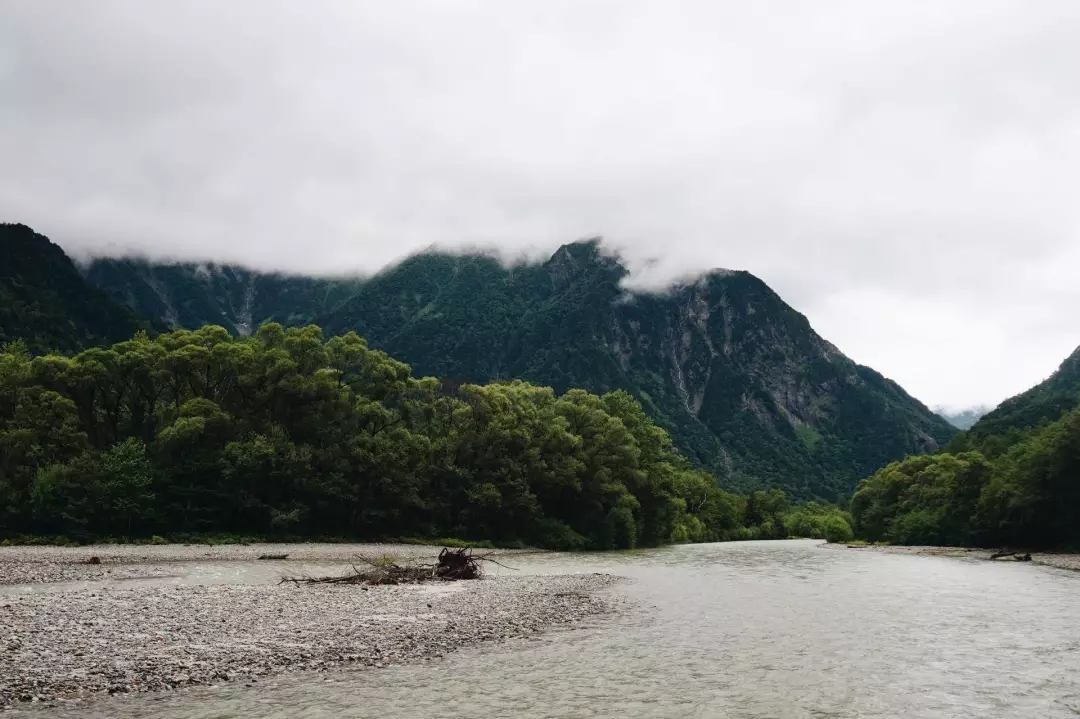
(751, 629)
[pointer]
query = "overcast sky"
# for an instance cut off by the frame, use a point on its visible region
(904, 173)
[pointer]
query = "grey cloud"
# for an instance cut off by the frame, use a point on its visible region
(888, 167)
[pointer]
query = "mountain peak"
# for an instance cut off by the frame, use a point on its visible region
(583, 258)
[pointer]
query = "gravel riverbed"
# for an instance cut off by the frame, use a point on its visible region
(105, 637)
(1060, 560)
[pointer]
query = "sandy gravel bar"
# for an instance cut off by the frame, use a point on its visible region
(1060, 560)
(62, 645)
(29, 565)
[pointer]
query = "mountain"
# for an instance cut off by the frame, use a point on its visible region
(195, 294)
(742, 382)
(45, 302)
(963, 419)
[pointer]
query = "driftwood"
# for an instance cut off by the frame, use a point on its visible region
(273, 556)
(451, 565)
(1017, 557)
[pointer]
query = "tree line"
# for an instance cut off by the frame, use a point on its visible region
(1017, 487)
(287, 434)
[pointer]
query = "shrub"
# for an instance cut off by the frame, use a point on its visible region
(553, 534)
(838, 530)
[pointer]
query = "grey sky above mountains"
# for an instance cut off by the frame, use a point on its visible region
(903, 173)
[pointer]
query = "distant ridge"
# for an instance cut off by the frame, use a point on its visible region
(963, 419)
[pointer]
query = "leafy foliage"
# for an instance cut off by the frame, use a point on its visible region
(285, 434)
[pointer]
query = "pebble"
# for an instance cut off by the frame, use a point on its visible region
(115, 639)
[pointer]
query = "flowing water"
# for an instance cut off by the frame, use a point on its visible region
(753, 629)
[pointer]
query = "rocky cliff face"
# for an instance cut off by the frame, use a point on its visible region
(728, 356)
(740, 379)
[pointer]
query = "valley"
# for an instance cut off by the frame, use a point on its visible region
(541, 360)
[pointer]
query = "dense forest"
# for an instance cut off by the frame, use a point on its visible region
(1012, 480)
(285, 434)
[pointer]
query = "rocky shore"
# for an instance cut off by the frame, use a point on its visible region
(1060, 560)
(105, 637)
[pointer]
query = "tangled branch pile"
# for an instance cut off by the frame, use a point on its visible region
(1015, 556)
(452, 564)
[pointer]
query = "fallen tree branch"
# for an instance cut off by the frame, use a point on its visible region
(1026, 557)
(451, 565)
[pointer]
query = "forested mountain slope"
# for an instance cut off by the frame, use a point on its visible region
(742, 382)
(45, 302)
(1013, 479)
(190, 295)
(740, 379)
(1045, 402)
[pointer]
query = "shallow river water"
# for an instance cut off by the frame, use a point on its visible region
(752, 629)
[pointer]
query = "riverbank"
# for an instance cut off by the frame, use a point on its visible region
(63, 642)
(1060, 560)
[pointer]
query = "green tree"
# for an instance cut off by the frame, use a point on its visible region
(124, 495)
